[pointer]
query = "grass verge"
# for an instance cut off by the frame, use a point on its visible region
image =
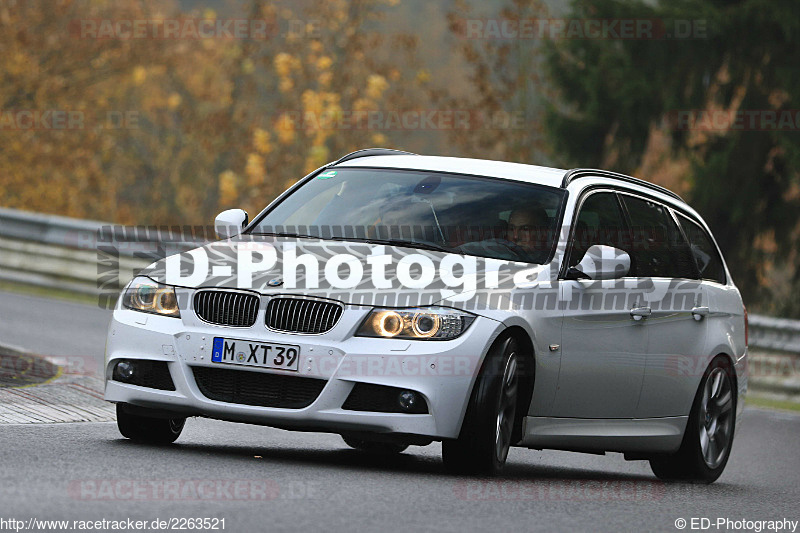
(43, 292)
(756, 400)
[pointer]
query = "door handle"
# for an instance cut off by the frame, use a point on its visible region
(698, 313)
(639, 313)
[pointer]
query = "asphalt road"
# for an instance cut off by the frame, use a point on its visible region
(53, 327)
(263, 479)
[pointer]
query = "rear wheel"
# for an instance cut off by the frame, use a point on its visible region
(708, 438)
(368, 446)
(486, 434)
(148, 429)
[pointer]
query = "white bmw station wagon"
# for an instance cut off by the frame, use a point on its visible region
(399, 299)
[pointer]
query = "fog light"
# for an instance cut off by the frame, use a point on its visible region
(408, 400)
(123, 371)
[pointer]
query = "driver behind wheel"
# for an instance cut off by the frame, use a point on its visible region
(525, 227)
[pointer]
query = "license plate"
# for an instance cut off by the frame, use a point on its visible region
(260, 354)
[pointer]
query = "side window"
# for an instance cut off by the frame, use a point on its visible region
(659, 249)
(709, 263)
(600, 221)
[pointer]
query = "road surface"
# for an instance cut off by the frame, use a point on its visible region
(263, 479)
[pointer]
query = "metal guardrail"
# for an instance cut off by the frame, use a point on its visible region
(67, 253)
(83, 256)
(779, 334)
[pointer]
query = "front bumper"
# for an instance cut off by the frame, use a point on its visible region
(443, 372)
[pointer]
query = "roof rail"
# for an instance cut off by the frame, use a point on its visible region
(370, 152)
(577, 173)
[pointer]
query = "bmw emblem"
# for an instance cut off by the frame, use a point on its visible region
(277, 282)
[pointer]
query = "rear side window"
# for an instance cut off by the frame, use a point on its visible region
(600, 221)
(709, 263)
(659, 248)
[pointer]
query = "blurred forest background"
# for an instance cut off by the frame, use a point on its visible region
(178, 129)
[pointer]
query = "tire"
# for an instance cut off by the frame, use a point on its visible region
(485, 438)
(148, 430)
(373, 447)
(708, 438)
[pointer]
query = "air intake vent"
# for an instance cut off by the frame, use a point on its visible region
(152, 374)
(257, 388)
(302, 315)
(226, 308)
(380, 399)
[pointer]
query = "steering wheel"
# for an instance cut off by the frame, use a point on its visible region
(498, 246)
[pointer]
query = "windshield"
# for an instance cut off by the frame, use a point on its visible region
(461, 214)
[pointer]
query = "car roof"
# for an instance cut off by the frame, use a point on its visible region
(462, 165)
(553, 177)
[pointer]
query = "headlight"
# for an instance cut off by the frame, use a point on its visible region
(421, 323)
(144, 294)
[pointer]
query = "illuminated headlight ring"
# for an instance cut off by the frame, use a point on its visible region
(419, 323)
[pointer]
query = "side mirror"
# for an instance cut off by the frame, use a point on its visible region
(602, 262)
(230, 223)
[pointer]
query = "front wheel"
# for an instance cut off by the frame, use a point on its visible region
(485, 438)
(148, 429)
(708, 438)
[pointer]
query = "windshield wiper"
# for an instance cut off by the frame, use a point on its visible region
(388, 242)
(411, 244)
(295, 235)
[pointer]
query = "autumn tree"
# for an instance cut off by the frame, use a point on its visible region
(331, 68)
(176, 129)
(507, 88)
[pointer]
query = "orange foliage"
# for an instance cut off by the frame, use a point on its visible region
(173, 130)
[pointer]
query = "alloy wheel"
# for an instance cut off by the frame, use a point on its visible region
(507, 408)
(715, 418)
